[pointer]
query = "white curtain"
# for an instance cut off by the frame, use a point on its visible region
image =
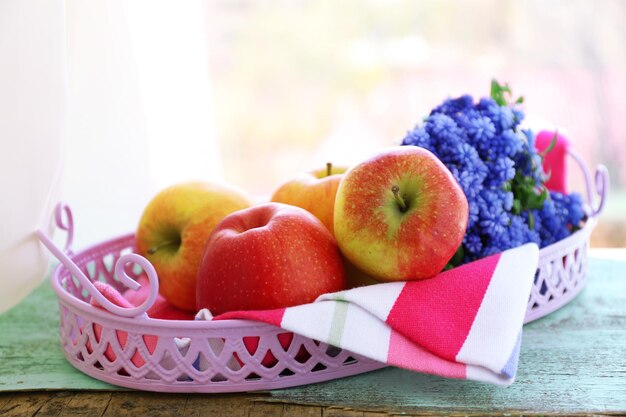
(102, 103)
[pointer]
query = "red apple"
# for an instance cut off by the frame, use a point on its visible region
(313, 191)
(268, 256)
(400, 215)
(173, 231)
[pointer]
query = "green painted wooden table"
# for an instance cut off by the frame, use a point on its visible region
(572, 362)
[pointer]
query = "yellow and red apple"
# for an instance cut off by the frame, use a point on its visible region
(313, 191)
(268, 256)
(173, 231)
(400, 215)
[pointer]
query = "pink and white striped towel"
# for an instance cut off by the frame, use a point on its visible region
(463, 323)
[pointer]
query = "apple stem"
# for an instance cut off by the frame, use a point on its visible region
(154, 249)
(396, 194)
(329, 168)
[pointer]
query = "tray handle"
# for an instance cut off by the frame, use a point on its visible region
(65, 223)
(61, 212)
(598, 190)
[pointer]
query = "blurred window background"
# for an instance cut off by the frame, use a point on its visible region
(299, 83)
(252, 92)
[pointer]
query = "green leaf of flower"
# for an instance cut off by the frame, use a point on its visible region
(551, 145)
(499, 94)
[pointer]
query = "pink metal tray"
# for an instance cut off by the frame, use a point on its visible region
(125, 347)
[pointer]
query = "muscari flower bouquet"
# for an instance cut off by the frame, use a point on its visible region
(496, 164)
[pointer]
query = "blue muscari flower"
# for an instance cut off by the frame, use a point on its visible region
(491, 250)
(510, 143)
(469, 170)
(507, 118)
(502, 240)
(467, 157)
(487, 104)
(464, 117)
(417, 137)
(444, 128)
(470, 182)
(533, 237)
(550, 221)
(452, 106)
(472, 244)
(481, 129)
(488, 107)
(507, 202)
(530, 138)
(576, 212)
(502, 170)
(493, 218)
(484, 148)
(518, 116)
(474, 211)
(518, 231)
(551, 215)
(569, 209)
(481, 133)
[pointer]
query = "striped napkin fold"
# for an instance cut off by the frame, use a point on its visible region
(463, 323)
